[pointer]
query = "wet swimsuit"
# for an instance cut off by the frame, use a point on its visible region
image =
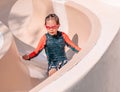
(55, 49)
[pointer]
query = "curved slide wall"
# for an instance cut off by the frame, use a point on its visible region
(104, 76)
(84, 28)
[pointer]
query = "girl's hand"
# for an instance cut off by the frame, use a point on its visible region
(26, 57)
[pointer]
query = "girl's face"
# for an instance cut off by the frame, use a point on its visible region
(52, 27)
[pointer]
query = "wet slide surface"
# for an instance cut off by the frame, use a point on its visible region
(14, 73)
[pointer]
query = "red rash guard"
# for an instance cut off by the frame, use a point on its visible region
(43, 40)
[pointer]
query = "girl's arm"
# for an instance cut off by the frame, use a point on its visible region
(39, 48)
(70, 43)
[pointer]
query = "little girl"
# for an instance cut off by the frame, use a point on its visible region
(53, 42)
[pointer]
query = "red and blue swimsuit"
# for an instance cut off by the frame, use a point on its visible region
(55, 49)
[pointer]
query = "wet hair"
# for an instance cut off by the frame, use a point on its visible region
(52, 17)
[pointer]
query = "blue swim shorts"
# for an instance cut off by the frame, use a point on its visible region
(57, 65)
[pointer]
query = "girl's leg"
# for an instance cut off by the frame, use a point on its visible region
(51, 71)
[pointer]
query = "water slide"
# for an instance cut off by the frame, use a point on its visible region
(94, 26)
